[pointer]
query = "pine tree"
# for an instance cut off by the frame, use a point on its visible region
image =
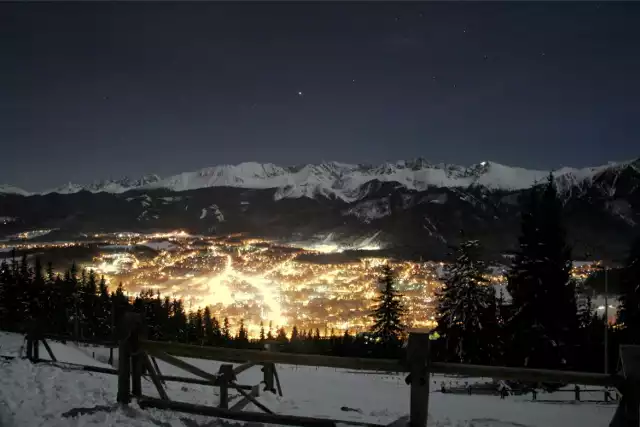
(226, 330)
(629, 310)
(269, 332)
(585, 312)
(209, 338)
(39, 296)
(50, 275)
(103, 312)
(24, 292)
(282, 335)
(467, 309)
(88, 297)
(262, 336)
(243, 334)
(545, 320)
(199, 324)
(388, 313)
(294, 333)
(178, 321)
(217, 332)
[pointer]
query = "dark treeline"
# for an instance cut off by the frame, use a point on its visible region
(79, 305)
(545, 320)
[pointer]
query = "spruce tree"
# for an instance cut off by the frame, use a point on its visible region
(209, 339)
(262, 336)
(269, 332)
(217, 331)
(282, 335)
(226, 330)
(545, 320)
(103, 312)
(467, 310)
(387, 315)
(629, 310)
(294, 333)
(243, 334)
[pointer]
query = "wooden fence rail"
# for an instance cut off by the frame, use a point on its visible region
(134, 349)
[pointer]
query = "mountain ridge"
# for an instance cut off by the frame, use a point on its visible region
(343, 180)
(411, 206)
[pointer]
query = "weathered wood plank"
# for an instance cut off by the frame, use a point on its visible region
(381, 365)
(257, 356)
(98, 343)
(277, 378)
(251, 399)
(225, 377)
(524, 374)
(149, 402)
(46, 346)
(418, 358)
(167, 358)
(268, 377)
(156, 367)
(155, 377)
(239, 406)
(124, 372)
(134, 322)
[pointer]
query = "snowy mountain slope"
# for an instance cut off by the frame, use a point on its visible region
(108, 186)
(346, 181)
(418, 206)
(10, 189)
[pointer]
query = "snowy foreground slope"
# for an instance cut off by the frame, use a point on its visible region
(37, 395)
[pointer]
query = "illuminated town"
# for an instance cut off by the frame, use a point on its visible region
(261, 282)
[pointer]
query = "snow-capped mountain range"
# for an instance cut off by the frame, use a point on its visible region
(344, 181)
(413, 206)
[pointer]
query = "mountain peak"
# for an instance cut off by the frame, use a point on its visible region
(345, 181)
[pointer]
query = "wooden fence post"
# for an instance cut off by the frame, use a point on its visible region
(113, 330)
(33, 344)
(136, 354)
(418, 358)
(130, 330)
(268, 371)
(227, 376)
(124, 371)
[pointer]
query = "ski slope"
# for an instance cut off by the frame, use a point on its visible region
(37, 395)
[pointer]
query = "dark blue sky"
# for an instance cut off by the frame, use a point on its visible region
(100, 90)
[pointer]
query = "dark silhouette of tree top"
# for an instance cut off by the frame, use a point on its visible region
(389, 310)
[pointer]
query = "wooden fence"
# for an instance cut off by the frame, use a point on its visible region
(137, 357)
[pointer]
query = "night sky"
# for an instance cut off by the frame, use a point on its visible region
(101, 90)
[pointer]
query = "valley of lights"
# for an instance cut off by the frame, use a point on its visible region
(257, 281)
(322, 285)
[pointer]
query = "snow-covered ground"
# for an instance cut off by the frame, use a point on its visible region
(37, 395)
